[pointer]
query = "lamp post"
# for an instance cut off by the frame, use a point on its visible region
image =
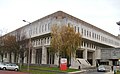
(29, 48)
(118, 23)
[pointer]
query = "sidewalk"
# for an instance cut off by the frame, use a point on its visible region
(77, 72)
(111, 72)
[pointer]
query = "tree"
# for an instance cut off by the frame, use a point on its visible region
(65, 41)
(2, 48)
(23, 48)
(22, 44)
(10, 44)
(17, 45)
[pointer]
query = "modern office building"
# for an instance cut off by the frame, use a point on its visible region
(39, 31)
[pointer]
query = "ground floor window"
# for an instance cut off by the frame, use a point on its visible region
(79, 54)
(38, 56)
(50, 57)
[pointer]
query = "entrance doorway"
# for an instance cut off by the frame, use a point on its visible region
(38, 56)
(50, 57)
(90, 57)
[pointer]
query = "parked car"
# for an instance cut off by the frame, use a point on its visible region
(9, 66)
(101, 68)
(2, 65)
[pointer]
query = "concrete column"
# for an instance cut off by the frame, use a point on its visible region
(56, 59)
(98, 54)
(33, 56)
(44, 55)
(25, 59)
(110, 63)
(12, 57)
(94, 61)
(8, 57)
(5, 59)
(85, 54)
(19, 59)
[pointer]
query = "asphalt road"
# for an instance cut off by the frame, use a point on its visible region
(10, 72)
(95, 72)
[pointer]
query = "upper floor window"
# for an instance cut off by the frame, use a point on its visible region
(45, 27)
(82, 31)
(75, 28)
(93, 35)
(78, 30)
(85, 32)
(42, 28)
(89, 34)
(48, 26)
(36, 30)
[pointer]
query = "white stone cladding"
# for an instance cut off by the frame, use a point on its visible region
(94, 37)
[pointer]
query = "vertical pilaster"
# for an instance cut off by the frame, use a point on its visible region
(98, 53)
(94, 61)
(110, 63)
(25, 59)
(56, 60)
(85, 54)
(8, 57)
(44, 55)
(12, 57)
(33, 56)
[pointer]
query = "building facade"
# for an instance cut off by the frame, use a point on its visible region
(39, 31)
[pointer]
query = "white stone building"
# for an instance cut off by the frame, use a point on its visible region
(94, 39)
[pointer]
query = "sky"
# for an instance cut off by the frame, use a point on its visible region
(100, 13)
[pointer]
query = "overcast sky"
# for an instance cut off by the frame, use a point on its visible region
(101, 13)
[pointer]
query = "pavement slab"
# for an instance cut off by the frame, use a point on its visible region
(11, 72)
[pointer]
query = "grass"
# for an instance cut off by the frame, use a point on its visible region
(118, 72)
(44, 70)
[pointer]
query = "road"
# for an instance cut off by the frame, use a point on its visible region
(10, 72)
(95, 72)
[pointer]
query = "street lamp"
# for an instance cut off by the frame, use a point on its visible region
(29, 47)
(118, 23)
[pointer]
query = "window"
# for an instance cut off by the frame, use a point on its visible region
(36, 30)
(93, 35)
(89, 34)
(48, 26)
(45, 40)
(78, 29)
(42, 28)
(82, 31)
(82, 43)
(97, 36)
(5, 55)
(75, 28)
(85, 32)
(45, 27)
(48, 40)
(41, 41)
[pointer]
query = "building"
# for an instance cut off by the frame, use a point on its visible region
(94, 39)
(110, 56)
